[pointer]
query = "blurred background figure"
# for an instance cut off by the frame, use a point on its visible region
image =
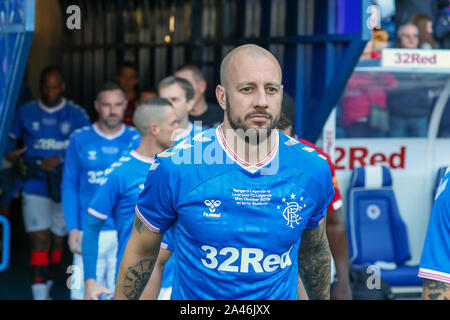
(146, 93)
(181, 95)
(410, 106)
(441, 26)
(425, 26)
(43, 127)
(405, 9)
(363, 104)
(210, 114)
(407, 36)
(127, 78)
(89, 154)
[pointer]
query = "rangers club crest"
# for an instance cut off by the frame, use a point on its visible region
(65, 127)
(292, 209)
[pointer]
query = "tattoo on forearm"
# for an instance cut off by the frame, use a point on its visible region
(435, 290)
(138, 224)
(314, 264)
(137, 277)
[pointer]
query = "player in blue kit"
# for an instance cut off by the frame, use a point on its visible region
(248, 213)
(155, 119)
(435, 260)
(44, 126)
(91, 151)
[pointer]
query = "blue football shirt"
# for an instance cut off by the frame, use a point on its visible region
(117, 198)
(88, 157)
(435, 260)
(237, 226)
(45, 132)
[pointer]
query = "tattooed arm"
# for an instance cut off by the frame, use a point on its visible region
(137, 262)
(153, 287)
(435, 290)
(314, 263)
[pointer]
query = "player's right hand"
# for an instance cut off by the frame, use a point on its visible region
(93, 291)
(74, 241)
(48, 164)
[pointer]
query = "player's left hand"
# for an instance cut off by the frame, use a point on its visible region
(341, 291)
(48, 164)
(93, 290)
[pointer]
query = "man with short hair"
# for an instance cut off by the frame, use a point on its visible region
(44, 126)
(90, 152)
(408, 36)
(180, 93)
(247, 219)
(156, 121)
(210, 114)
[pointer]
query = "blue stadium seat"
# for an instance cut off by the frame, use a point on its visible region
(376, 232)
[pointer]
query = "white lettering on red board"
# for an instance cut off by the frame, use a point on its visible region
(360, 156)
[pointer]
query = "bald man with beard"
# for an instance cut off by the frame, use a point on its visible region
(247, 219)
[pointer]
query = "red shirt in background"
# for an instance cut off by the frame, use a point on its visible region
(129, 112)
(336, 203)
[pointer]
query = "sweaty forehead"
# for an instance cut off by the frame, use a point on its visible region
(241, 62)
(251, 69)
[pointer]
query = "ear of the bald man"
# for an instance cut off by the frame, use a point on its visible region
(153, 129)
(221, 96)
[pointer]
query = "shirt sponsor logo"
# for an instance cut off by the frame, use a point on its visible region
(50, 144)
(96, 177)
(244, 260)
